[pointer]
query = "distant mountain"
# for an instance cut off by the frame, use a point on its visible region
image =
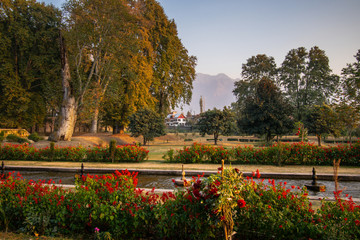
(215, 90)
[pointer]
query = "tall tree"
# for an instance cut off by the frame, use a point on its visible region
(174, 68)
(292, 78)
(348, 118)
(320, 84)
(351, 81)
(307, 79)
(253, 71)
(107, 43)
(216, 122)
(322, 120)
(202, 104)
(147, 123)
(266, 113)
(29, 60)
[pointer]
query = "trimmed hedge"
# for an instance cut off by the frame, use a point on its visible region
(123, 153)
(282, 154)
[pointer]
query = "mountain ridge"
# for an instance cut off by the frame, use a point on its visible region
(216, 91)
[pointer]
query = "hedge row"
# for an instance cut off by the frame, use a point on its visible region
(282, 154)
(110, 207)
(123, 153)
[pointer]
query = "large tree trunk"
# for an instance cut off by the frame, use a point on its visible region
(64, 128)
(215, 138)
(94, 121)
(319, 139)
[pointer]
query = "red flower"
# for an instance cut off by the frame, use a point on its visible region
(241, 203)
(257, 173)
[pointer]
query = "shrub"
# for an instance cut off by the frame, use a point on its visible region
(111, 205)
(35, 137)
(125, 153)
(15, 138)
(2, 136)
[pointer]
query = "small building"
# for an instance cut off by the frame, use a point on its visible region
(175, 119)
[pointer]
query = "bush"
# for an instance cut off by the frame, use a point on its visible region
(111, 205)
(15, 138)
(125, 153)
(2, 136)
(35, 137)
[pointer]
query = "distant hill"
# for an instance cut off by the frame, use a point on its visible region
(216, 90)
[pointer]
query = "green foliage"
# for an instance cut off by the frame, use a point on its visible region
(35, 137)
(253, 71)
(351, 81)
(174, 68)
(278, 154)
(348, 118)
(322, 120)
(30, 60)
(2, 136)
(110, 206)
(146, 123)
(216, 122)
(266, 113)
(307, 79)
(16, 138)
(124, 153)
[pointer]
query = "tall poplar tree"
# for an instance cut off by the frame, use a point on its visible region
(174, 68)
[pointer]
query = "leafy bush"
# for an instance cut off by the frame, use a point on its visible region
(282, 154)
(15, 138)
(35, 137)
(111, 205)
(125, 153)
(2, 136)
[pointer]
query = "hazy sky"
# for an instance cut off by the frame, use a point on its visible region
(223, 34)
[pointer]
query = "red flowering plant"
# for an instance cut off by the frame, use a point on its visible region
(340, 218)
(29, 206)
(275, 210)
(203, 209)
(113, 204)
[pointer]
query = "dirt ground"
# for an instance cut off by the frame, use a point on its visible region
(89, 140)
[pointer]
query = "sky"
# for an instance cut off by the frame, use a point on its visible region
(223, 34)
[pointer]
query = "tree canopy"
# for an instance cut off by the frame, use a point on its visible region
(253, 71)
(216, 122)
(266, 113)
(351, 81)
(117, 53)
(30, 62)
(147, 123)
(320, 120)
(307, 79)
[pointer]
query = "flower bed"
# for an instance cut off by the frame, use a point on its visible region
(124, 153)
(110, 206)
(282, 154)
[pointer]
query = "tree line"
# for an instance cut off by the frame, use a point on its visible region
(302, 93)
(91, 61)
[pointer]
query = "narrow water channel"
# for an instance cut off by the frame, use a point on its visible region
(165, 182)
